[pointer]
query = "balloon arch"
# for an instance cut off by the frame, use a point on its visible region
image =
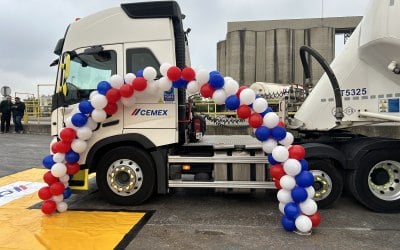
(288, 168)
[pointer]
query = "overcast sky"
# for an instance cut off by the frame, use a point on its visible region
(30, 29)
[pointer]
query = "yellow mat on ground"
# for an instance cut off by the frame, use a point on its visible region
(23, 228)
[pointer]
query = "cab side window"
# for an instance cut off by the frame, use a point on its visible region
(139, 58)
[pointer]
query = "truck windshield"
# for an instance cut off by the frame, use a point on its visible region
(86, 71)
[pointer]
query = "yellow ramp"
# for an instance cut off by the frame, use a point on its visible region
(23, 228)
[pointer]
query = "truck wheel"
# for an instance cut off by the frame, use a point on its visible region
(376, 182)
(126, 176)
(328, 182)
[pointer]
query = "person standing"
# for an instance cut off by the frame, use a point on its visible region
(5, 109)
(18, 110)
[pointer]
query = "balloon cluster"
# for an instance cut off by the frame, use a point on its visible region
(288, 168)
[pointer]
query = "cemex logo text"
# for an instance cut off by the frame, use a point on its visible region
(150, 112)
(13, 189)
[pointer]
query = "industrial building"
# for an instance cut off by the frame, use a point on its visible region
(268, 51)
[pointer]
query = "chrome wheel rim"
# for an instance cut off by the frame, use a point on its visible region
(383, 180)
(124, 177)
(322, 184)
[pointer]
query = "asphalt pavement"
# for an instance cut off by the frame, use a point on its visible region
(203, 219)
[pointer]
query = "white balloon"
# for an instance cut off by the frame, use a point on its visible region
(62, 207)
(58, 198)
(91, 124)
(116, 81)
(192, 87)
(58, 157)
(287, 182)
(84, 133)
(284, 196)
(260, 105)
(164, 84)
(282, 207)
(231, 87)
(219, 96)
(280, 153)
(66, 184)
(94, 92)
(308, 207)
(98, 101)
(288, 140)
(128, 102)
(202, 76)
(152, 88)
(78, 146)
(303, 223)
(58, 170)
(99, 115)
(292, 167)
(310, 192)
(269, 145)
(129, 78)
(164, 68)
(149, 73)
(69, 124)
(271, 120)
(247, 96)
(64, 178)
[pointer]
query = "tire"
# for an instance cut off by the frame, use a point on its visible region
(126, 176)
(375, 183)
(328, 182)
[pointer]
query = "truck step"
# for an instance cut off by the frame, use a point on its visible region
(221, 184)
(218, 159)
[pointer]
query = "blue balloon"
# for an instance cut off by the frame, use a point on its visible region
(181, 83)
(269, 109)
(271, 160)
(292, 210)
(288, 224)
(103, 87)
(278, 133)
(48, 161)
(299, 194)
(216, 81)
(304, 179)
(262, 133)
(86, 107)
(67, 193)
(139, 73)
(72, 156)
(79, 120)
(304, 165)
(214, 72)
(232, 102)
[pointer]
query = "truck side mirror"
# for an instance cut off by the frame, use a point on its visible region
(65, 67)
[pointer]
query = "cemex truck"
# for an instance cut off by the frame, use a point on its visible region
(150, 146)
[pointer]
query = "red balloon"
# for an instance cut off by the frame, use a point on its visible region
(49, 178)
(243, 112)
(57, 188)
(188, 74)
(111, 108)
(73, 168)
(54, 148)
(44, 193)
(126, 90)
(174, 73)
(240, 90)
(113, 95)
(206, 90)
(315, 219)
(139, 84)
(255, 120)
(49, 207)
(277, 171)
(297, 152)
(62, 147)
(277, 184)
(281, 124)
(68, 134)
